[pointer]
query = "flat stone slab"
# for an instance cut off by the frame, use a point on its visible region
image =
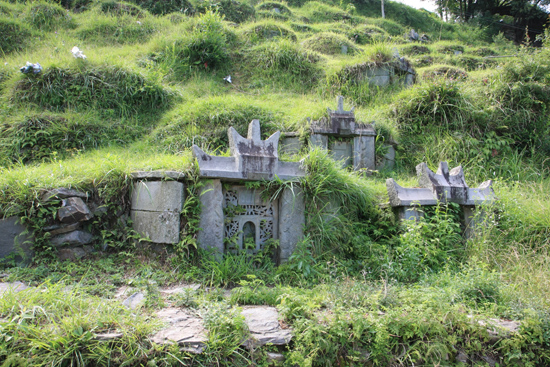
(14, 287)
(185, 329)
(157, 175)
(179, 289)
(263, 323)
(134, 301)
(158, 196)
(63, 193)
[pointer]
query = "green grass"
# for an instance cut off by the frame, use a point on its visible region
(360, 288)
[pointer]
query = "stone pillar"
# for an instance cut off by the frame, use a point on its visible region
(474, 218)
(291, 221)
(318, 140)
(212, 221)
(156, 208)
(364, 152)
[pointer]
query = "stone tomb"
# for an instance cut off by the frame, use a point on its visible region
(349, 142)
(235, 217)
(444, 186)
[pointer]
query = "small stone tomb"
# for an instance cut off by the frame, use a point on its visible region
(444, 186)
(235, 217)
(349, 142)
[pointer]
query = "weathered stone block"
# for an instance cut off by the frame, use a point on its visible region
(74, 210)
(158, 227)
(342, 151)
(364, 152)
(63, 193)
(318, 140)
(291, 144)
(78, 238)
(212, 220)
(158, 196)
(12, 238)
(291, 221)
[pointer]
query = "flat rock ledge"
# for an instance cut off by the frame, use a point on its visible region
(187, 330)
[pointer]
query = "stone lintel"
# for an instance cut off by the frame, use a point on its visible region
(405, 197)
(158, 175)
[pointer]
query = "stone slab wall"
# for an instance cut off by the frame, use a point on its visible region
(291, 221)
(156, 207)
(211, 221)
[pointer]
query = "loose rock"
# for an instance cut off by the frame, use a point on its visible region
(77, 238)
(263, 323)
(14, 287)
(134, 301)
(62, 193)
(184, 329)
(74, 210)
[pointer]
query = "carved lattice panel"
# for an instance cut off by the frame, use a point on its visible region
(244, 207)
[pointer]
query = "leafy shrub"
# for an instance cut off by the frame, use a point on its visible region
(109, 89)
(286, 57)
(266, 30)
(390, 26)
(299, 27)
(329, 43)
(439, 104)
(429, 245)
(205, 48)
(44, 136)
(124, 29)
(270, 5)
(15, 35)
(470, 62)
(484, 51)
(166, 6)
(444, 71)
(205, 123)
(319, 12)
(413, 50)
(423, 61)
(231, 10)
(264, 14)
(450, 49)
(368, 34)
(47, 16)
(119, 8)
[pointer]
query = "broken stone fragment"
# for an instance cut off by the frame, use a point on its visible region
(75, 238)
(275, 359)
(185, 329)
(62, 193)
(61, 228)
(74, 210)
(264, 327)
(71, 254)
(134, 301)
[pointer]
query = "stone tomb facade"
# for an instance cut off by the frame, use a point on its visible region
(235, 217)
(349, 142)
(444, 186)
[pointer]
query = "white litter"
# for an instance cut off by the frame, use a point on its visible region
(227, 79)
(78, 53)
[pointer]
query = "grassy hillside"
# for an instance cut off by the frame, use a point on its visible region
(152, 85)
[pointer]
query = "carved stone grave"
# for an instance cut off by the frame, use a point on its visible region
(352, 143)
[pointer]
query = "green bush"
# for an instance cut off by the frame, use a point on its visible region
(444, 71)
(329, 43)
(231, 10)
(205, 123)
(368, 34)
(393, 28)
(45, 136)
(484, 51)
(435, 105)
(15, 35)
(267, 30)
(110, 90)
(204, 49)
(318, 12)
(47, 16)
(119, 8)
(450, 49)
(413, 50)
(124, 29)
(264, 14)
(284, 57)
(166, 6)
(270, 5)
